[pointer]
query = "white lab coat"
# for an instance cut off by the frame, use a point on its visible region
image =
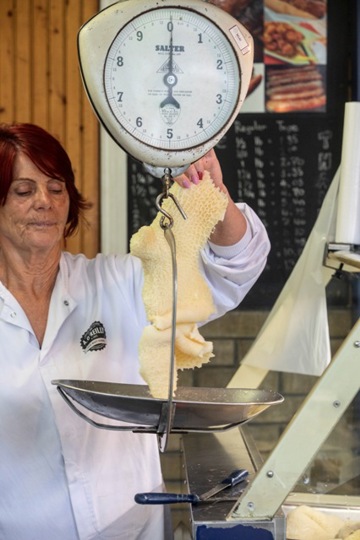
(60, 478)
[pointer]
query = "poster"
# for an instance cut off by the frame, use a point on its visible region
(290, 53)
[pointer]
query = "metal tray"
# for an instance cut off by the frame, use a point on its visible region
(193, 409)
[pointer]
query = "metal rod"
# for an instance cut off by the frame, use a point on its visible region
(170, 409)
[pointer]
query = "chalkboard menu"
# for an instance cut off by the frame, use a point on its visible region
(279, 161)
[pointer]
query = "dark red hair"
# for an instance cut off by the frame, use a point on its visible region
(48, 155)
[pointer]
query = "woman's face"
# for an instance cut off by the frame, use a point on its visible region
(36, 209)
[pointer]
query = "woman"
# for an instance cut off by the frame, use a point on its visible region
(68, 317)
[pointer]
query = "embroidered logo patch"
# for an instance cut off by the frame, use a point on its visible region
(94, 339)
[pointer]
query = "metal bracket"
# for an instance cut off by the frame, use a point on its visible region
(304, 435)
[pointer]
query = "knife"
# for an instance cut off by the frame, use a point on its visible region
(237, 476)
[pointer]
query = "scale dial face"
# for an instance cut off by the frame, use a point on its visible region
(173, 77)
(190, 79)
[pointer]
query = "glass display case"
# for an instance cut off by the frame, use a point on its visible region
(313, 470)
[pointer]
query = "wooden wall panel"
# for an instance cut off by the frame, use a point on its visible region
(39, 63)
(22, 64)
(7, 80)
(40, 83)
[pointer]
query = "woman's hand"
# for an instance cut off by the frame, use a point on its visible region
(234, 225)
(194, 173)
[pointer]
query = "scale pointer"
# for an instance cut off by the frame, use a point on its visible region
(170, 79)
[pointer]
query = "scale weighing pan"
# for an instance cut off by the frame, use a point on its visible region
(193, 409)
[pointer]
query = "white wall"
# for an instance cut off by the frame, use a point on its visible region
(113, 190)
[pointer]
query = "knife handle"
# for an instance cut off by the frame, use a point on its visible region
(233, 479)
(165, 498)
(236, 477)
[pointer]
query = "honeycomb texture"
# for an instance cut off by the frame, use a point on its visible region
(204, 205)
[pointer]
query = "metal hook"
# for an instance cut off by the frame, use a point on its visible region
(166, 179)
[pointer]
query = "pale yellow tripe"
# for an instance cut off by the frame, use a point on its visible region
(204, 205)
(306, 523)
(350, 531)
(354, 536)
